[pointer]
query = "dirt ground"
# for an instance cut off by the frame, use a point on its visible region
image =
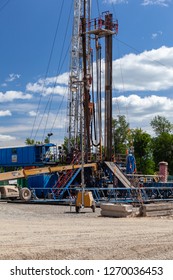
(43, 232)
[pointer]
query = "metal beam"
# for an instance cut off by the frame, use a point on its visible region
(108, 89)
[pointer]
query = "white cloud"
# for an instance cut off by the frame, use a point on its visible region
(151, 104)
(12, 77)
(155, 35)
(164, 3)
(59, 90)
(52, 85)
(32, 113)
(21, 128)
(10, 96)
(143, 109)
(4, 85)
(5, 138)
(23, 107)
(61, 79)
(149, 71)
(17, 128)
(5, 113)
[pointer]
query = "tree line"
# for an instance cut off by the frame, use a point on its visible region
(148, 150)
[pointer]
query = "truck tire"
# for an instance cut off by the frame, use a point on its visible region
(25, 194)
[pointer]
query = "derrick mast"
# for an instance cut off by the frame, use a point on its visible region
(77, 81)
(75, 72)
(85, 101)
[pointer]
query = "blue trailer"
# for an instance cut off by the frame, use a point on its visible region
(31, 155)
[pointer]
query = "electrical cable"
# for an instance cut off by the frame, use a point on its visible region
(58, 71)
(137, 51)
(113, 6)
(62, 96)
(60, 105)
(92, 92)
(47, 69)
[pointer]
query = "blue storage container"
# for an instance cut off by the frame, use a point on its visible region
(24, 156)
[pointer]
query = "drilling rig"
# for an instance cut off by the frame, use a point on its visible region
(85, 100)
(91, 168)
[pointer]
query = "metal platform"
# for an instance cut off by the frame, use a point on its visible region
(101, 32)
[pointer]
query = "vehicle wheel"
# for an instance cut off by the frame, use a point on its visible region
(77, 209)
(25, 194)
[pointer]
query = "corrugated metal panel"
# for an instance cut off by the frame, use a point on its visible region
(19, 156)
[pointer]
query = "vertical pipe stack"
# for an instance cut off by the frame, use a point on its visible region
(108, 89)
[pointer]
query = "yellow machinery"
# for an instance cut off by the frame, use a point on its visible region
(85, 199)
(24, 173)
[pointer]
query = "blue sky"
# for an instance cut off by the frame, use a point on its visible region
(34, 64)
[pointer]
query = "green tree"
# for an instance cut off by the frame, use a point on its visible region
(163, 149)
(65, 144)
(160, 125)
(120, 131)
(142, 143)
(74, 144)
(29, 141)
(47, 140)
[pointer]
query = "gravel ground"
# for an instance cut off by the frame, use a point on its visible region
(43, 232)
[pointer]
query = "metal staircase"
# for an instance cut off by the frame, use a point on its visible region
(66, 179)
(119, 174)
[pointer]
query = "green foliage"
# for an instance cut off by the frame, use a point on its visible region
(120, 131)
(74, 144)
(142, 143)
(163, 149)
(160, 125)
(29, 141)
(47, 140)
(65, 145)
